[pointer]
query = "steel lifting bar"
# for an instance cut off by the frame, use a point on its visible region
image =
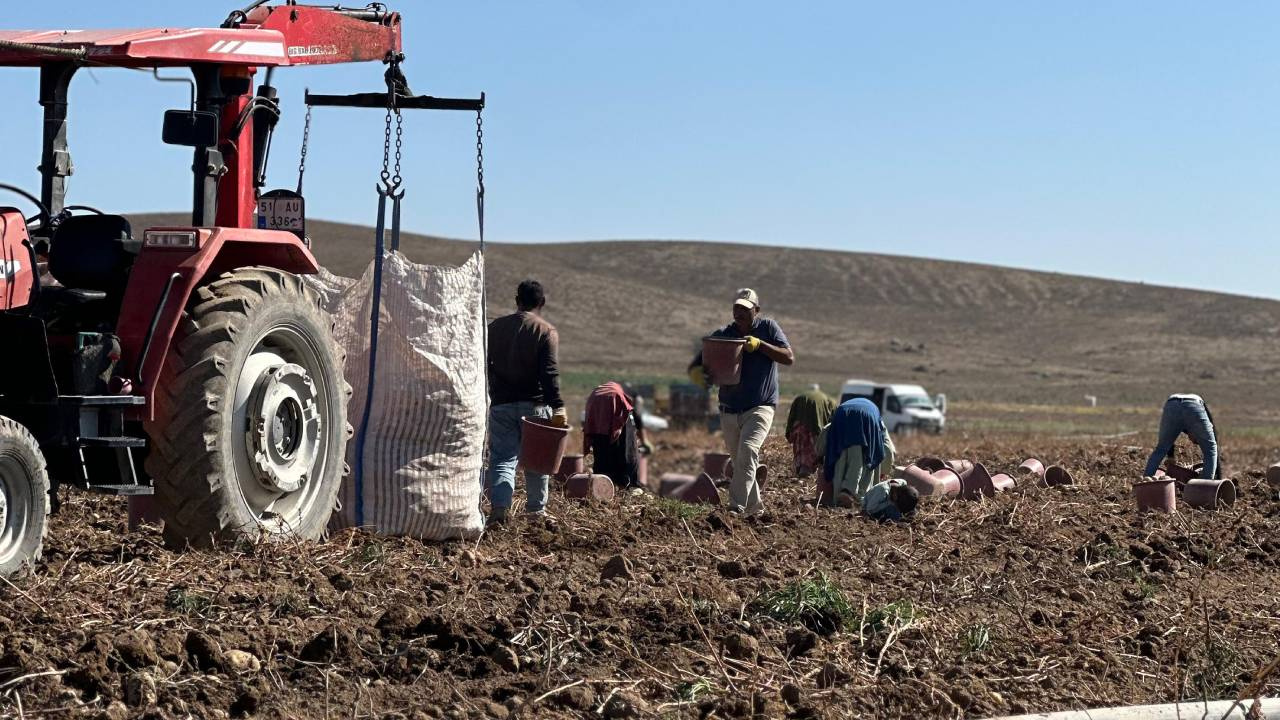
(402, 102)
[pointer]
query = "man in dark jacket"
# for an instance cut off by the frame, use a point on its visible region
(524, 381)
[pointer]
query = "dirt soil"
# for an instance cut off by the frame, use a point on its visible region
(1040, 599)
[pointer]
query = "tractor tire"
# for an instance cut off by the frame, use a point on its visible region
(250, 429)
(24, 497)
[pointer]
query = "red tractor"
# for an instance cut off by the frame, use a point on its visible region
(195, 352)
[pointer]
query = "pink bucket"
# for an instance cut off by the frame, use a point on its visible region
(1209, 494)
(722, 359)
(570, 465)
(715, 464)
(542, 445)
(1155, 495)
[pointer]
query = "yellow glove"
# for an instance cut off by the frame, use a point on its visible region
(698, 376)
(560, 418)
(753, 344)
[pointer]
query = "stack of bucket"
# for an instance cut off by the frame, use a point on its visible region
(968, 480)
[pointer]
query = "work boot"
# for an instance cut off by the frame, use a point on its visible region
(497, 516)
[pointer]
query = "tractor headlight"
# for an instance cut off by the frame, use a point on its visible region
(182, 239)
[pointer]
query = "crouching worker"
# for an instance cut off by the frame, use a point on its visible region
(809, 413)
(890, 500)
(613, 434)
(1186, 414)
(857, 450)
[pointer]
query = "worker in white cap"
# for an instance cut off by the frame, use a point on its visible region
(746, 409)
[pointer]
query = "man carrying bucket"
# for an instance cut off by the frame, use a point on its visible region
(747, 407)
(524, 381)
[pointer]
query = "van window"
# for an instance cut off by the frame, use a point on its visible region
(850, 396)
(893, 405)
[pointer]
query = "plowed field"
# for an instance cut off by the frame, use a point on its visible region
(1038, 599)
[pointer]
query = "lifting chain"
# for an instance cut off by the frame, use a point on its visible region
(480, 174)
(306, 138)
(391, 175)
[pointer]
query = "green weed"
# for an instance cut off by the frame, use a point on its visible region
(678, 510)
(691, 691)
(188, 602)
(894, 616)
(975, 639)
(814, 602)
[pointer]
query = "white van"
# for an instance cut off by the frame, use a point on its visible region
(902, 407)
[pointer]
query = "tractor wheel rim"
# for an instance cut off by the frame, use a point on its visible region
(15, 501)
(284, 427)
(279, 427)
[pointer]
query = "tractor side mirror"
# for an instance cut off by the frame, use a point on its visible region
(193, 128)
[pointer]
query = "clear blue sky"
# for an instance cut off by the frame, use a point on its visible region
(1135, 140)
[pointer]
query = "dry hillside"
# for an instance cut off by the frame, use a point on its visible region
(976, 332)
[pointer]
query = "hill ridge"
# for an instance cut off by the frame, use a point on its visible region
(976, 331)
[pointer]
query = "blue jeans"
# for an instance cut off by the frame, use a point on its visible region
(504, 452)
(1184, 415)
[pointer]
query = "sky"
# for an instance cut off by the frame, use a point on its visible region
(1136, 140)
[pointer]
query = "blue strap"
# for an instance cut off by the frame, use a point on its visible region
(363, 433)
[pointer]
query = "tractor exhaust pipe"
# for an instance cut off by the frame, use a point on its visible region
(266, 114)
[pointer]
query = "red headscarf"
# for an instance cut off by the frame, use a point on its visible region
(607, 411)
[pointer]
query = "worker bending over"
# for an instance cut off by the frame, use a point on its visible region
(524, 381)
(1188, 414)
(857, 452)
(810, 412)
(613, 433)
(746, 409)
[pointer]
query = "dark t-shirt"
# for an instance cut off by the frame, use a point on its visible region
(759, 383)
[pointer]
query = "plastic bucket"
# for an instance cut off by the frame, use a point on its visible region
(715, 464)
(701, 491)
(570, 465)
(1209, 494)
(1057, 475)
(722, 359)
(941, 482)
(670, 484)
(583, 486)
(542, 445)
(1156, 495)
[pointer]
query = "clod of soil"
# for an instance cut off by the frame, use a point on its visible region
(741, 646)
(204, 652)
(617, 566)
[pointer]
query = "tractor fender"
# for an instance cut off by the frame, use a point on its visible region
(17, 269)
(168, 270)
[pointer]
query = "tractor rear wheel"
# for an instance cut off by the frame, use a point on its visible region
(24, 497)
(251, 417)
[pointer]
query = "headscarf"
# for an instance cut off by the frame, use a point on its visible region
(608, 408)
(813, 410)
(856, 422)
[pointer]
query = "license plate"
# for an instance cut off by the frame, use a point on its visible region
(282, 213)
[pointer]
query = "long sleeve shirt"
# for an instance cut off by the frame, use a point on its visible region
(523, 366)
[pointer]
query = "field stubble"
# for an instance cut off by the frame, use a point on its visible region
(1039, 599)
